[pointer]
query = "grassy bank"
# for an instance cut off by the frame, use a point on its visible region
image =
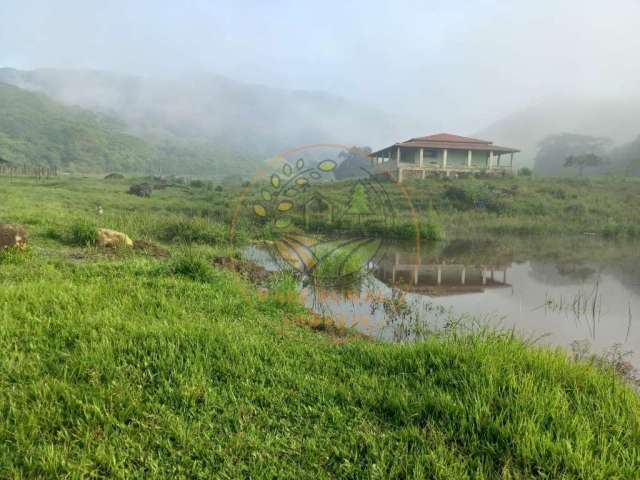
(129, 368)
(118, 364)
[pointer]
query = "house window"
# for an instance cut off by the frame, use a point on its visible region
(431, 154)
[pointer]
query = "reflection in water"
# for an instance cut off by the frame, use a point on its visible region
(412, 273)
(564, 290)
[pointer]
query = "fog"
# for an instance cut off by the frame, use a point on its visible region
(438, 65)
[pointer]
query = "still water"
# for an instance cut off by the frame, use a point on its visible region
(554, 291)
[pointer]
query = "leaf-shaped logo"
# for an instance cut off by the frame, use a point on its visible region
(285, 205)
(275, 181)
(287, 170)
(260, 210)
(300, 164)
(283, 222)
(266, 195)
(327, 165)
(301, 182)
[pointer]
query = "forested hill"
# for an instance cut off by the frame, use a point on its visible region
(35, 130)
(212, 120)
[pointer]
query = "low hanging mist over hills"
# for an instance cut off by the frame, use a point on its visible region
(210, 125)
(616, 119)
(236, 125)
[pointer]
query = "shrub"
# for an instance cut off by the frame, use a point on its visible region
(192, 266)
(525, 172)
(82, 233)
(283, 289)
(197, 184)
(141, 189)
(460, 197)
(114, 176)
(195, 230)
(218, 188)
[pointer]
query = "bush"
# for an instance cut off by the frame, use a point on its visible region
(141, 189)
(114, 176)
(82, 233)
(197, 184)
(195, 230)
(460, 197)
(525, 172)
(219, 188)
(192, 266)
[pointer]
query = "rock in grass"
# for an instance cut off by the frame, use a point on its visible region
(112, 238)
(13, 236)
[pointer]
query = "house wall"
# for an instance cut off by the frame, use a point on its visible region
(433, 160)
(455, 158)
(410, 155)
(480, 159)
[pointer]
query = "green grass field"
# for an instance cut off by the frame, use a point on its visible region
(117, 364)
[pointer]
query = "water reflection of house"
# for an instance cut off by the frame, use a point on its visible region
(413, 274)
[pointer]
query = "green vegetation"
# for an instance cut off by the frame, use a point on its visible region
(467, 207)
(37, 131)
(121, 365)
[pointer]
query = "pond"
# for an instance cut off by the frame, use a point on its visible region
(574, 292)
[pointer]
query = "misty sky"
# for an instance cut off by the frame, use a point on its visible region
(460, 64)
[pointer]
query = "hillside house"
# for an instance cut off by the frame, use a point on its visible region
(442, 154)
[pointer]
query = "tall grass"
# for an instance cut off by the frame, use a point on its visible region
(111, 369)
(134, 367)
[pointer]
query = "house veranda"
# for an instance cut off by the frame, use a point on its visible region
(443, 154)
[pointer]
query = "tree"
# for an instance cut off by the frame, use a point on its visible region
(355, 162)
(583, 161)
(555, 149)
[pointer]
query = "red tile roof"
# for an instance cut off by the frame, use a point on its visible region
(447, 137)
(449, 141)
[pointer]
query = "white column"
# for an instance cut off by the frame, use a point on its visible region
(444, 158)
(439, 275)
(469, 158)
(398, 157)
(421, 157)
(463, 276)
(490, 160)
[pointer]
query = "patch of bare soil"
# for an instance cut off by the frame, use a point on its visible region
(248, 269)
(150, 249)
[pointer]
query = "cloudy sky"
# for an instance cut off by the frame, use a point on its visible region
(462, 63)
